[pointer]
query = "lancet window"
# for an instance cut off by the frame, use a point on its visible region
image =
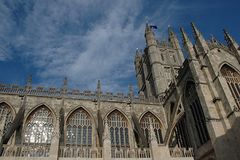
(233, 80)
(180, 135)
(145, 122)
(118, 128)
(79, 128)
(39, 126)
(6, 116)
(194, 104)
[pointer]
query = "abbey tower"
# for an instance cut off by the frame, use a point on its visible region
(185, 109)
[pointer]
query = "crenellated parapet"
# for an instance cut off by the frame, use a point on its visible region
(40, 91)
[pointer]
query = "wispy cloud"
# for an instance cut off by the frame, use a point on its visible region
(84, 40)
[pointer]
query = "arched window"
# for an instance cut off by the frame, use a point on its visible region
(233, 80)
(180, 136)
(79, 128)
(6, 116)
(39, 126)
(145, 125)
(118, 128)
(192, 101)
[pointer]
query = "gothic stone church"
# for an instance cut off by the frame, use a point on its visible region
(185, 109)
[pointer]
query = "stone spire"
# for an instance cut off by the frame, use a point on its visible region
(130, 93)
(188, 45)
(200, 41)
(175, 43)
(213, 39)
(149, 36)
(29, 82)
(232, 44)
(65, 84)
(98, 94)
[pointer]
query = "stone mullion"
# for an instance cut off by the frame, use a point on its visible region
(197, 127)
(199, 121)
(203, 120)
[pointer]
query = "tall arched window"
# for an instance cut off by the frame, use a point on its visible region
(145, 125)
(192, 101)
(118, 128)
(180, 136)
(79, 128)
(233, 80)
(39, 126)
(6, 116)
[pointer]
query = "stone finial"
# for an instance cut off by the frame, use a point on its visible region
(184, 36)
(130, 93)
(65, 82)
(29, 81)
(196, 32)
(213, 39)
(188, 44)
(98, 87)
(232, 44)
(230, 41)
(170, 31)
(201, 42)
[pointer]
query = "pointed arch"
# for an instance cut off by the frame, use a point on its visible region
(179, 135)
(36, 107)
(145, 121)
(154, 114)
(79, 127)
(39, 125)
(232, 78)
(7, 114)
(118, 128)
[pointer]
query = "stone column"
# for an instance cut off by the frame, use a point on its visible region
(53, 153)
(158, 152)
(106, 143)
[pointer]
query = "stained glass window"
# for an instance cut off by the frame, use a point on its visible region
(118, 129)
(233, 80)
(79, 128)
(6, 116)
(145, 125)
(39, 126)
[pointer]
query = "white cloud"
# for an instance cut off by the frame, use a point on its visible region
(84, 40)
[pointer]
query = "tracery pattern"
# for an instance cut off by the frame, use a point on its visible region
(145, 125)
(6, 116)
(233, 80)
(118, 129)
(39, 126)
(79, 128)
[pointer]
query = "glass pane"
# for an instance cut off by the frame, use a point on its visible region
(83, 134)
(39, 126)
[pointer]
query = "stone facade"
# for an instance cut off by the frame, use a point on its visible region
(185, 109)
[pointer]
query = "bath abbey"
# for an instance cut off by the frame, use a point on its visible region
(185, 109)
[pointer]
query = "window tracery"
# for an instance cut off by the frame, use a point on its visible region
(6, 116)
(145, 125)
(79, 128)
(233, 80)
(118, 129)
(39, 126)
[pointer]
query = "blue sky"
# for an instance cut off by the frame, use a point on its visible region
(87, 40)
